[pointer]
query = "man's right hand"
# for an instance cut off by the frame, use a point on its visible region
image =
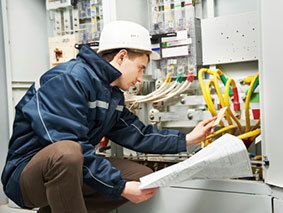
(134, 194)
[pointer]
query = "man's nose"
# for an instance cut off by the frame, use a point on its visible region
(139, 78)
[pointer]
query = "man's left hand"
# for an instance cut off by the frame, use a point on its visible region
(201, 131)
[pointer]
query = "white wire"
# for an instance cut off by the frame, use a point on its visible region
(160, 94)
(181, 89)
(134, 98)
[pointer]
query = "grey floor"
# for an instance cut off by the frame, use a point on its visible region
(7, 209)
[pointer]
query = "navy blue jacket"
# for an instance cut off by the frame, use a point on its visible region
(74, 101)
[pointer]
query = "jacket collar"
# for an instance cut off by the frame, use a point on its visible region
(102, 68)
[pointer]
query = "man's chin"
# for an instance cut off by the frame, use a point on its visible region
(127, 88)
(124, 89)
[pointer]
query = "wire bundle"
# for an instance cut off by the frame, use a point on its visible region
(248, 134)
(167, 90)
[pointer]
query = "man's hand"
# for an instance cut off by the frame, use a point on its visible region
(134, 194)
(199, 133)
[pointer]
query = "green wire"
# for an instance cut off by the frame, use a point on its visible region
(179, 78)
(254, 87)
(224, 81)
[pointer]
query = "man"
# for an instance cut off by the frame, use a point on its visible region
(51, 159)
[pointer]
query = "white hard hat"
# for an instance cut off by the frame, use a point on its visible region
(125, 34)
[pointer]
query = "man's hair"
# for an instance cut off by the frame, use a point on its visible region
(109, 55)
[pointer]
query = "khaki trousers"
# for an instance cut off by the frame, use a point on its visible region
(53, 181)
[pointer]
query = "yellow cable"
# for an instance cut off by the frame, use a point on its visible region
(207, 142)
(247, 103)
(247, 80)
(206, 92)
(212, 82)
(210, 107)
(209, 138)
(249, 134)
(220, 131)
(207, 99)
(256, 126)
(232, 83)
(169, 78)
(222, 102)
(225, 101)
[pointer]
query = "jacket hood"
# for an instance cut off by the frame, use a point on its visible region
(103, 69)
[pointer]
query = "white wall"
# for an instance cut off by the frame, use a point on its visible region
(28, 39)
(4, 125)
(23, 58)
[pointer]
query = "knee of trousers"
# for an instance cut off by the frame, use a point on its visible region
(68, 154)
(140, 171)
(145, 171)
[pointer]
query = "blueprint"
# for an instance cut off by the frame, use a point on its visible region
(226, 157)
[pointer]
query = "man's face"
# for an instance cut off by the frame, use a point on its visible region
(132, 71)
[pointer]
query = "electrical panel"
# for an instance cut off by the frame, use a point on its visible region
(176, 35)
(180, 90)
(71, 24)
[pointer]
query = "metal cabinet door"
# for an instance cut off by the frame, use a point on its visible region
(271, 76)
(182, 200)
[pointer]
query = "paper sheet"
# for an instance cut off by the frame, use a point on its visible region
(220, 115)
(226, 157)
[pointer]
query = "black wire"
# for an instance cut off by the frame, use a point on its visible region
(90, 44)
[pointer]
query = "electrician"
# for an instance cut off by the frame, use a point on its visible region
(52, 163)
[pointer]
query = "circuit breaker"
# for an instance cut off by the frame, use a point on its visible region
(71, 24)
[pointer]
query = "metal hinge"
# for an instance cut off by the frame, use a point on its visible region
(266, 161)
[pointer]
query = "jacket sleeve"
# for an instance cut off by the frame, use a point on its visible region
(131, 133)
(57, 112)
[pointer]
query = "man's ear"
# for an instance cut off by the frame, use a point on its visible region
(121, 55)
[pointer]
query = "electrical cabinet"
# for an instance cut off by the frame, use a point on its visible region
(278, 205)
(237, 195)
(195, 34)
(207, 196)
